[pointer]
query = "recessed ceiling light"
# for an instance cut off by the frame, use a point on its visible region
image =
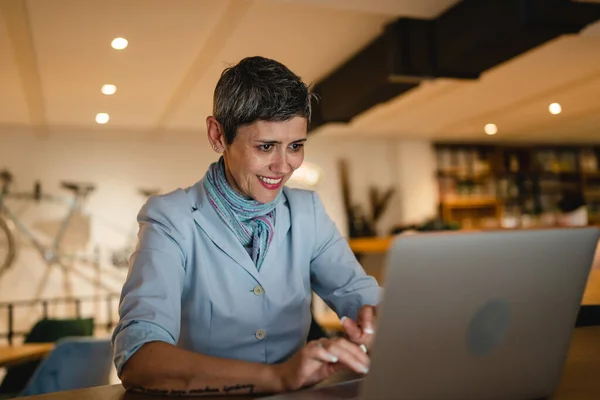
(109, 89)
(490, 129)
(102, 118)
(555, 108)
(119, 43)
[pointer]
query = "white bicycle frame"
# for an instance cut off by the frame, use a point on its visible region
(50, 254)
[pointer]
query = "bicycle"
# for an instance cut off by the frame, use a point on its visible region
(52, 254)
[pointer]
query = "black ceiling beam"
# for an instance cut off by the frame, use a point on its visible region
(475, 35)
(370, 76)
(462, 43)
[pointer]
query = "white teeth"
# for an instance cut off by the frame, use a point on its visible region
(269, 180)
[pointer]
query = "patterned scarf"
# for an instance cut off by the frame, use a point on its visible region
(252, 222)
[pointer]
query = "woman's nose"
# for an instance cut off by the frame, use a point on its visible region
(280, 164)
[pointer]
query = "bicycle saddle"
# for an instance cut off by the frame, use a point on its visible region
(148, 192)
(79, 188)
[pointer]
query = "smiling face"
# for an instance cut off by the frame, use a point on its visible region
(263, 156)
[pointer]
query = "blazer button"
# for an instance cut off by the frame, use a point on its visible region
(260, 334)
(258, 290)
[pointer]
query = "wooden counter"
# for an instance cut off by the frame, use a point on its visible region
(579, 381)
(11, 355)
(370, 245)
(591, 296)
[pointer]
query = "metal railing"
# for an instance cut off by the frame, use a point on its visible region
(12, 307)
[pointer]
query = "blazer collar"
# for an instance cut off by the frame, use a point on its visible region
(211, 223)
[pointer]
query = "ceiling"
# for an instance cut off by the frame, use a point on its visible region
(55, 55)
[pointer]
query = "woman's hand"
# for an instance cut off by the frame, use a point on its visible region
(361, 331)
(320, 359)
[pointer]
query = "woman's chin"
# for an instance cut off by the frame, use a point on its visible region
(266, 197)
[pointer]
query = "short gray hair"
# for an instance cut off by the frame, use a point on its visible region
(259, 89)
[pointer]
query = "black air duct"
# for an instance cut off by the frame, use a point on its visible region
(466, 40)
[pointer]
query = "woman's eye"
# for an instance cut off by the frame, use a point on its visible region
(296, 146)
(265, 147)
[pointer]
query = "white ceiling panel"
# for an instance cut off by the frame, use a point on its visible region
(73, 39)
(311, 44)
(518, 91)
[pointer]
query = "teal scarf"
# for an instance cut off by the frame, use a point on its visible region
(252, 222)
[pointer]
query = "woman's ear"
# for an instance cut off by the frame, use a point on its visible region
(216, 135)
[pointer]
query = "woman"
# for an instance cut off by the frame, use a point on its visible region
(218, 295)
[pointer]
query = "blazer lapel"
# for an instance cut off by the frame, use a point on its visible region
(211, 223)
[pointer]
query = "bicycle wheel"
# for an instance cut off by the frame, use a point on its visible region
(8, 246)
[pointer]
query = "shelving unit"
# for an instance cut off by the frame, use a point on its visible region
(485, 186)
(489, 186)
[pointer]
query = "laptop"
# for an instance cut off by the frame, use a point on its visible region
(474, 315)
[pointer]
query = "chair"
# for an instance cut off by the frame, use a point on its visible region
(74, 363)
(49, 331)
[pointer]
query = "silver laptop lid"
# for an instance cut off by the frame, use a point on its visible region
(484, 315)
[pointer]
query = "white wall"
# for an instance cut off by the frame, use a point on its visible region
(417, 184)
(118, 166)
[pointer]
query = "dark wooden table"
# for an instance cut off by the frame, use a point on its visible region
(580, 381)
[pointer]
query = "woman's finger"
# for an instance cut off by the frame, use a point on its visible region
(318, 352)
(352, 348)
(349, 354)
(351, 329)
(366, 319)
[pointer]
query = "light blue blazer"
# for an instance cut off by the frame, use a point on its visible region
(191, 283)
